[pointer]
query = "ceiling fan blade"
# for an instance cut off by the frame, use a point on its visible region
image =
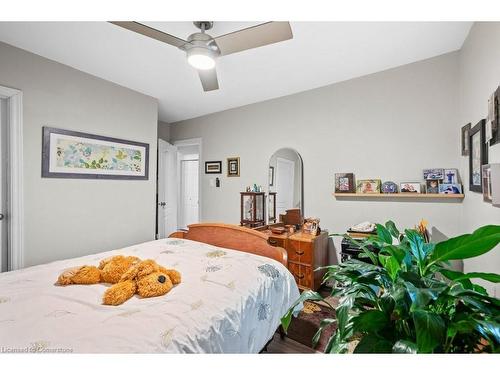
(208, 79)
(253, 37)
(151, 32)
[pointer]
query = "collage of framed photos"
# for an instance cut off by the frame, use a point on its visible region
(436, 181)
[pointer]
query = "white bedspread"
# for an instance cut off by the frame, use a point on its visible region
(228, 302)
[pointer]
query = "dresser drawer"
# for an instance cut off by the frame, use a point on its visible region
(278, 242)
(300, 251)
(303, 274)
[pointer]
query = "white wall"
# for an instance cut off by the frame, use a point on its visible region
(388, 125)
(65, 218)
(164, 130)
(479, 77)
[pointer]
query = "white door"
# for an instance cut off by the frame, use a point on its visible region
(4, 259)
(189, 192)
(167, 189)
(285, 177)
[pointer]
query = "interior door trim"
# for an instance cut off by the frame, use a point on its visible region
(15, 181)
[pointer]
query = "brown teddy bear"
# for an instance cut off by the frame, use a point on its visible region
(129, 275)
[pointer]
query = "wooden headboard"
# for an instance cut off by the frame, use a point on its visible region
(233, 237)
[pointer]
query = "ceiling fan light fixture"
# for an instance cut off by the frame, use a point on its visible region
(201, 58)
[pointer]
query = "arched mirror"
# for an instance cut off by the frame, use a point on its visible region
(285, 184)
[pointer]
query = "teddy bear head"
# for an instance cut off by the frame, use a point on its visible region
(149, 278)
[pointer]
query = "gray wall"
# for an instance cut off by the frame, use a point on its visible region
(479, 77)
(164, 130)
(65, 218)
(388, 125)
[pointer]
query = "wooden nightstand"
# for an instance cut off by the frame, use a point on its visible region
(305, 254)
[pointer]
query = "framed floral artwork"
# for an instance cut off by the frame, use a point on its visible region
(71, 154)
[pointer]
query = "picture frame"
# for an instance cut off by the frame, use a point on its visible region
(271, 176)
(213, 167)
(432, 186)
(77, 155)
(465, 139)
(344, 183)
(478, 156)
(233, 167)
(410, 187)
(495, 121)
(450, 176)
(450, 189)
(433, 174)
(487, 188)
(368, 186)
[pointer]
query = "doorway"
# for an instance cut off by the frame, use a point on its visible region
(178, 185)
(4, 259)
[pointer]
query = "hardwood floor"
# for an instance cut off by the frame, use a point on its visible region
(287, 346)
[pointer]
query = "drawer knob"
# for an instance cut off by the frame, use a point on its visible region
(300, 276)
(299, 252)
(272, 242)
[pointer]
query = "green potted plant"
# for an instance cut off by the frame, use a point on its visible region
(405, 300)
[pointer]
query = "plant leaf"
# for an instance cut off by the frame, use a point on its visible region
(384, 234)
(373, 344)
(457, 276)
(391, 227)
(468, 245)
(404, 346)
(430, 330)
(370, 321)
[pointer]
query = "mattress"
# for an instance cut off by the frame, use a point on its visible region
(228, 302)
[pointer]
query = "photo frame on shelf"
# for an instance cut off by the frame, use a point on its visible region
(72, 154)
(410, 187)
(478, 156)
(371, 186)
(344, 183)
(233, 167)
(213, 167)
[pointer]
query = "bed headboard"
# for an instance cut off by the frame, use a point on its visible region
(233, 237)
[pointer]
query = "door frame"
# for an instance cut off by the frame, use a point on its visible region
(194, 142)
(15, 189)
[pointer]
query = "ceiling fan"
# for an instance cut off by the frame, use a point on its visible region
(202, 49)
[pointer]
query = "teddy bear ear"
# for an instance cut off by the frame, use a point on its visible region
(131, 273)
(147, 267)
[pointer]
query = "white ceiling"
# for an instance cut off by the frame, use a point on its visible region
(319, 54)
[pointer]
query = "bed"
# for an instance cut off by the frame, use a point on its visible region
(234, 290)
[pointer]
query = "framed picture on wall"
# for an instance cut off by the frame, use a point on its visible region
(213, 167)
(478, 155)
(495, 120)
(71, 154)
(233, 167)
(465, 139)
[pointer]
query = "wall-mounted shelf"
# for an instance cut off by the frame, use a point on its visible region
(400, 196)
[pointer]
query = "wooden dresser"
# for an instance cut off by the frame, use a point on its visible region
(305, 254)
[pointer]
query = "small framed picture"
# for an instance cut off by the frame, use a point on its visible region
(410, 187)
(271, 176)
(213, 167)
(450, 176)
(478, 155)
(433, 174)
(233, 167)
(487, 188)
(432, 186)
(450, 189)
(368, 186)
(465, 139)
(344, 183)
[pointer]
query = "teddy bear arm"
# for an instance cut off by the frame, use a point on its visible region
(174, 275)
(119, 293)
(80, 275)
